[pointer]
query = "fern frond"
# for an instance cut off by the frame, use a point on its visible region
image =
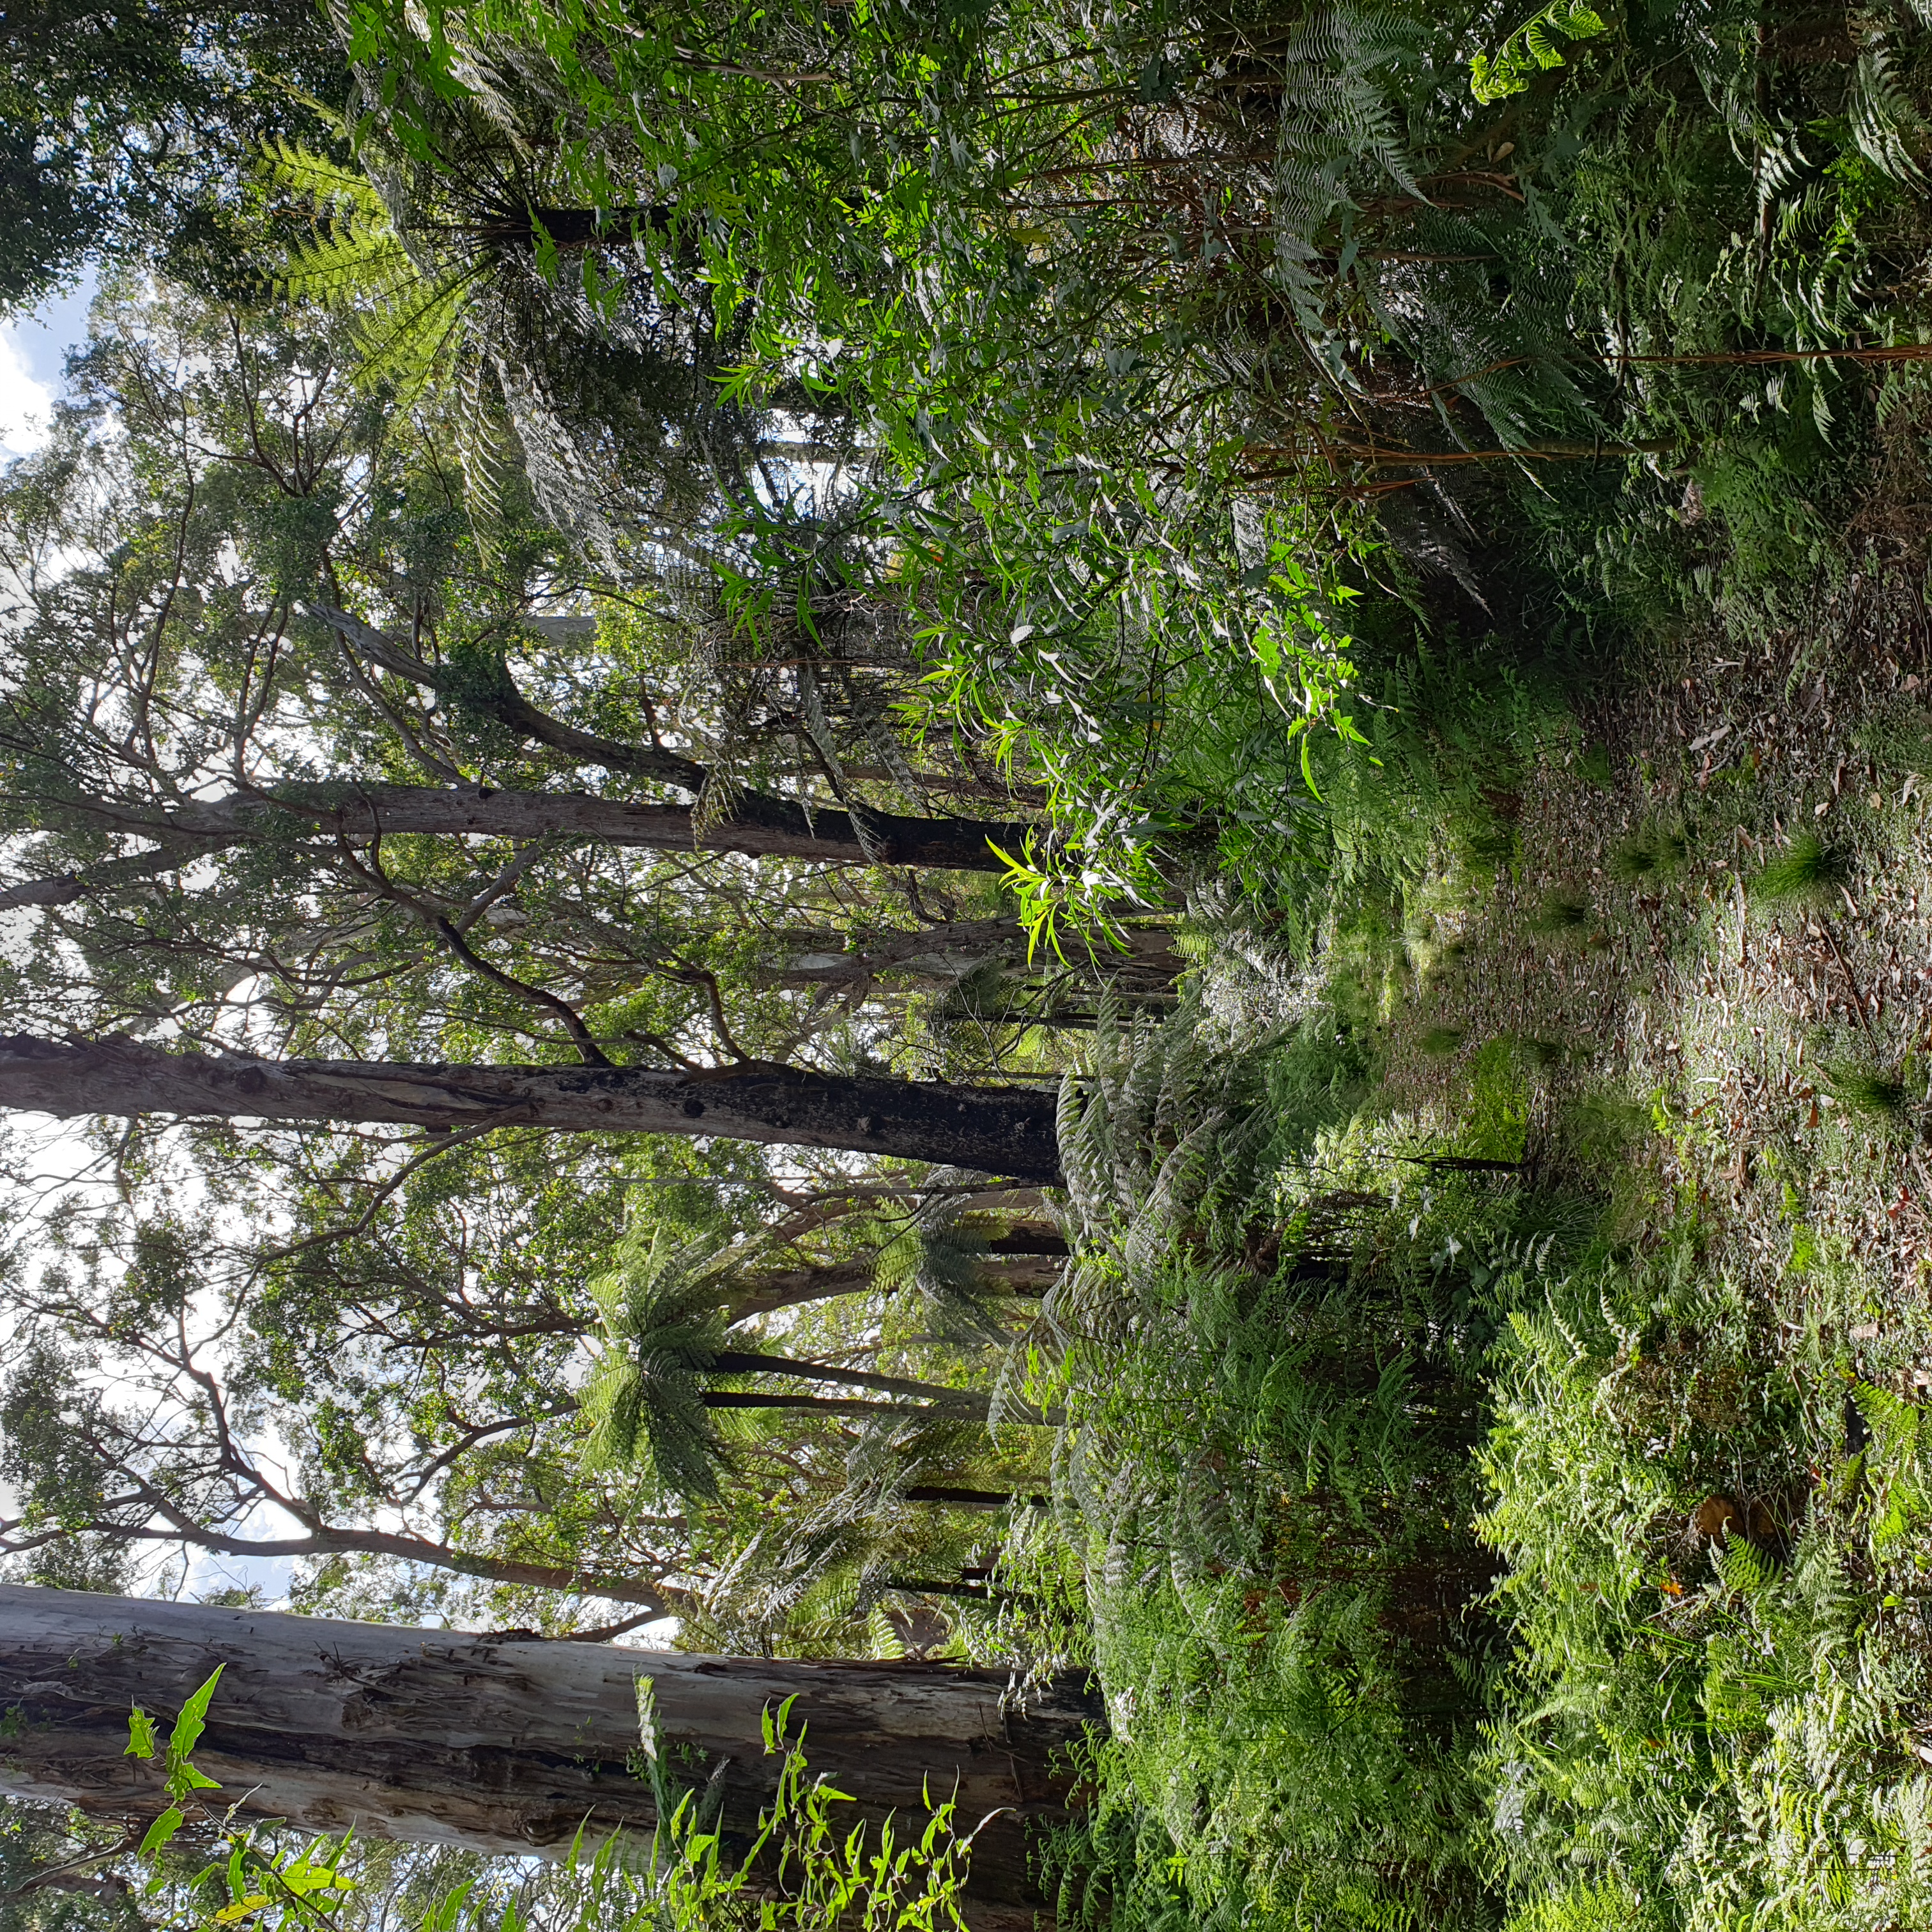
(1886, 122)
(329, 188)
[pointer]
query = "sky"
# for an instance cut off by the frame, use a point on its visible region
(33, 355)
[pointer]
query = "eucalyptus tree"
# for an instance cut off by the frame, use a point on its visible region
(221, 784)
(166, 687)
(504, 1744)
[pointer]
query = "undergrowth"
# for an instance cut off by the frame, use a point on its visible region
(1500, 1497)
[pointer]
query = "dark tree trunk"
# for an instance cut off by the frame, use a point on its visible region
(1145, 965)
(1006, 1130)
(760, 827)
(747, 1362)
(571, 227)
(436, 1737)
(988, 1499)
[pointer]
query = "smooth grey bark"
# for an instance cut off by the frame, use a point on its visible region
(498, 696)
(504, 1744)
(328, 1540)
(758, 826)
(1005, 1130)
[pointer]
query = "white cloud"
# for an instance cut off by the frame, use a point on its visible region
(26, 405)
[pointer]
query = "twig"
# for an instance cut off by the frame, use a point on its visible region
(1851, 982)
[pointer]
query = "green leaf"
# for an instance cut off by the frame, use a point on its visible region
(183, 1777)
(161, 1831)
(140, 1734)
(188, 1726)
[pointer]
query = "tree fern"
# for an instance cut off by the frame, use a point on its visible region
(664, 1324)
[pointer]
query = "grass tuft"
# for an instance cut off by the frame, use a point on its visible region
(1607, 1125)
(1651, 852)
(1807, 872)
(1492, 848)
(1861, 1089)
(1596, 766)
(1561, 910)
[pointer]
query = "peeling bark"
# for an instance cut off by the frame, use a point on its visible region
(1008, 1130)
(504, 1745)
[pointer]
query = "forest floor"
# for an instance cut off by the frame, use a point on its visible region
(1651, 1079)
(1629, 960)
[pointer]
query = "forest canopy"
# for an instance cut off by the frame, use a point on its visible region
(1079, 841)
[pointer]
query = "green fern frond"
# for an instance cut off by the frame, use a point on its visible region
(1532, 48)
(327, 186)
(1886, 123)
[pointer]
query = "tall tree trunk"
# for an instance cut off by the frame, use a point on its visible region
(746, 1362)
(434, 1737)
(1144, 964)
(1007, 1130)
(497, 697)
(758, 826)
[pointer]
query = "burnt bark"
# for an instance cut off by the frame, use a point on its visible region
(504, 1744)
(1005, 1130)
(758, 826)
